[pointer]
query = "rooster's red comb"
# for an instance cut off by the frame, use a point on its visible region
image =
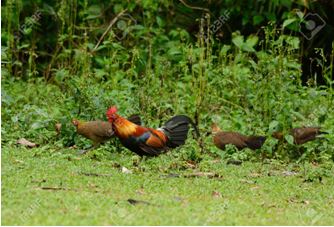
(111, 111)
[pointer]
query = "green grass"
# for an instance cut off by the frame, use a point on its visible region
(250, 194)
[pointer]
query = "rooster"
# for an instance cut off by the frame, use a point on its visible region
(148, 141)
(301, 135)
(98, 131)
(222, 138)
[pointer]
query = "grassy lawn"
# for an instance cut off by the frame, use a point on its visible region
(41, 186)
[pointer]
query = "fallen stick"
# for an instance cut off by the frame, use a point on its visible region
(203, 174)
(55, 188)
(96, 174)
(135, 202)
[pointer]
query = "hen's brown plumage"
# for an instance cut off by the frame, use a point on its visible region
(98, 131)
(301, 135)
(222, 138)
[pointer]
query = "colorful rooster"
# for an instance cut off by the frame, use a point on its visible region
(148, 141)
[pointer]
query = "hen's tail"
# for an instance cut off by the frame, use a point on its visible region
(255, 142)
(319, 131)
(177, 129)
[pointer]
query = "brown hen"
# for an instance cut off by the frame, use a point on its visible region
(222, 138)
(98, 131)
(301, 135)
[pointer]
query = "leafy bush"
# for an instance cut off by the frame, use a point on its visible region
(251, 85)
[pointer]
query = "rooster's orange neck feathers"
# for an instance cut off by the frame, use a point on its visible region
(123, 127)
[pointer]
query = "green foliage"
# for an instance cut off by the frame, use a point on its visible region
(55, 71)
(241, 92)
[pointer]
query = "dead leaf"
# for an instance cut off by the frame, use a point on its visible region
(306, 202)
(26, 143)
(125, 170)
(18, 161)
(247, 181)
(190, 164)
(292, 200)
(58, 128)
(140, 191)
(296, 200)
(91, 185)
(255, 175)
(255, 188)
(314, 163)
(216, 194)
(38, 181)
(289, 173)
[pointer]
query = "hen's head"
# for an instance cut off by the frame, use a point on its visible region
(215, 128)
(111, 114)
(278, 135)
(75, 122)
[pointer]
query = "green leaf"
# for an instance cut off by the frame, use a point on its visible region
(289, 139)
(293, 42)
(118, 8)
(257, 19)
(37, 125)
(247, 48)
(271, 17)
(160, 22)
(60, 75)
(298, 115)
(273, 125)
(93, 12)
(300, 14)
(245, 19)
(225, 49)
(238, 41)
(288, 22)
(252, 40)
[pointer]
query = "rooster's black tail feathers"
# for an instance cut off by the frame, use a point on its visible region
(177, 129)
